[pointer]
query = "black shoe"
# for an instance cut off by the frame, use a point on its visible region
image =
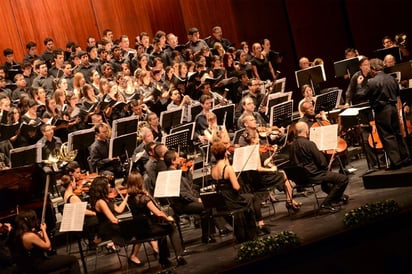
(292, 209)
(344, 199)
(134, 263)
(207, 240)
(262, 230)
(165, 263)
(329, 207)
(180, 260)
(224, 231)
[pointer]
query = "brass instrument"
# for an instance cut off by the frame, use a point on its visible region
(219, 97)
(65, 155)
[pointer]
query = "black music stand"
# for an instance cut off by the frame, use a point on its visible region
(346, 66)
(229, 112)
(277, 98)
(327, 101)
(123, 145)
(310, 76)
(124, 126)
(180, 139)
(281, 114)
(171, 118)
(23, 156)
(194, 110)
(80, 139)
(279, 85)
(394, 51)
(404, 68)
(189, 126)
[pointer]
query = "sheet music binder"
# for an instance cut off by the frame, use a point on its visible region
(394, 51)
(281, 114)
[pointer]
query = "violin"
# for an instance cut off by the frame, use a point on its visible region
(265, 131)
(83, 183)
(186, 164)
(266, 147)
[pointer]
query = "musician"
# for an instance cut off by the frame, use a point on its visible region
(383, 93)
(49, 143)
(228, 185)
(309, 115)
(99, 152)
(200, 120)
(306, 154)
(30, 243)
(106, 210)
(149, 216)
(140, 155)
(249, 108)
(356, 91)
(179, 101)
(308, 96)
(189, 201)
(154, 125)
(267, 173)
(214, 131)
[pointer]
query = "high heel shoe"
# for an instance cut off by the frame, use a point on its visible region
(292, 209)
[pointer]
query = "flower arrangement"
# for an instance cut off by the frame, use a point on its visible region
(370, 213)
(269, 245)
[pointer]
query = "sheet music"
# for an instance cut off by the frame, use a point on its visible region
(325, 137)
(351, 111)
(168, 184)
(73, 217)
(246, 158)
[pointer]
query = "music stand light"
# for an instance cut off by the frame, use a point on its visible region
(310, 76)
(180, 139)
(346, 66)
(281, 114)
(171, 118)
(229, 111)
(327, 101)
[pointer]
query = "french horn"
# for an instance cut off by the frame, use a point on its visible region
(64, 155)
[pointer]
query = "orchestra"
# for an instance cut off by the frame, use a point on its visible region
(98, 171)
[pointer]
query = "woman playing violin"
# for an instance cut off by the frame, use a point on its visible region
(267, 173)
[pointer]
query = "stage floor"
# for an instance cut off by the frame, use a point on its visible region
(310, 228)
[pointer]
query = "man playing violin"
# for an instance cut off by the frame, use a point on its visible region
(249, 108)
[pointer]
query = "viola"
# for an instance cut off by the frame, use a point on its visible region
(265, 131)
(265, 148)
(185, 164)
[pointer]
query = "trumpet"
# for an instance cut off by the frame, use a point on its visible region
(219, 98)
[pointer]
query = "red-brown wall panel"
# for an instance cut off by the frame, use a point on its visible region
(9, 33)
(62, 20)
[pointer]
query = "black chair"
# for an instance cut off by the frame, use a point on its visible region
(300, 177)
(215, 203)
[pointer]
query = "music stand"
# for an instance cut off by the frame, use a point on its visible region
(281, 114)
(23, 156)
(171, 118)
(394, 51)
(327, 101)
(189, 126)
(123, 145)
(310, 76)
(279, 85)
(194, 110)
(80, 139)
(404, 68)
(346, 66)
(229, 112)
(180, 139)
(124, 126)
(277, 98)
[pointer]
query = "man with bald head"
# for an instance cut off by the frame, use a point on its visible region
(306, 154)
